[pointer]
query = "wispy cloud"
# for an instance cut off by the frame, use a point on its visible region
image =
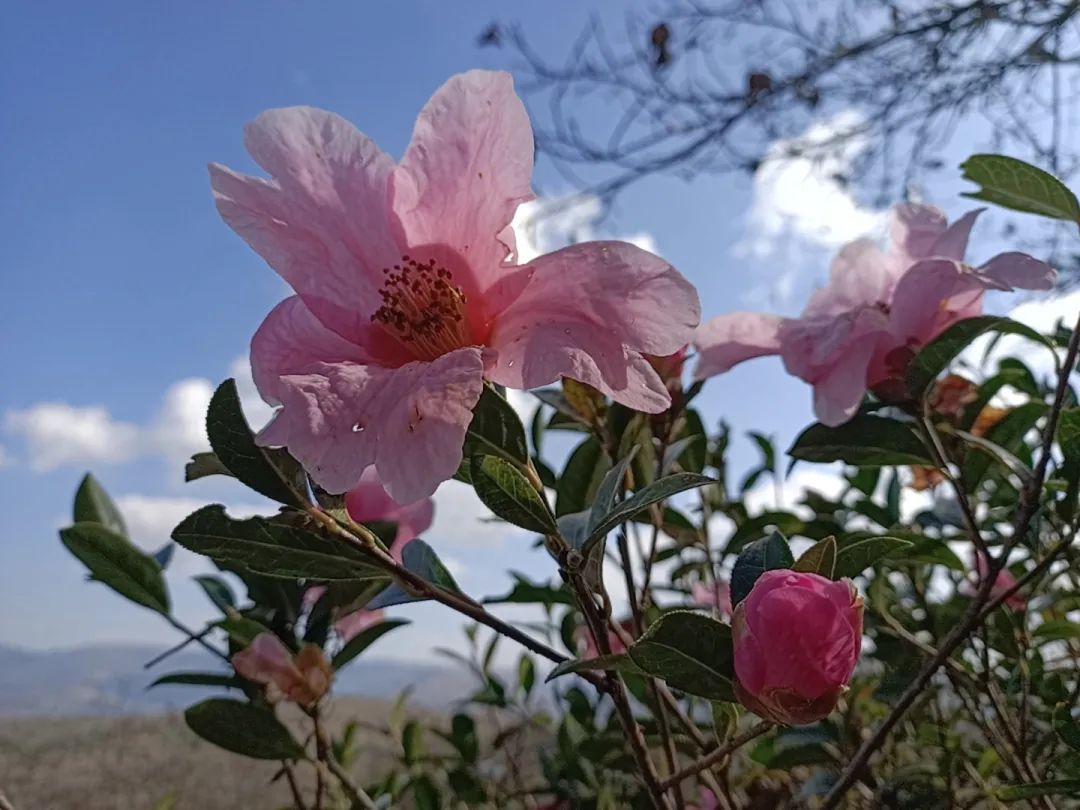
(550, 223)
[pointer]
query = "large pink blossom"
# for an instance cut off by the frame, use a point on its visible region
(797, 638)
(861, 330)
(408, 293)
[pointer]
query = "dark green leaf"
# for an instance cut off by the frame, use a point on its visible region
(865, 441)
(767, 554)
(1057, 630)
(642, 499)
(364, 639)
(496, 429)
(199, 679)
(854, 558)
(273, 548)
(581, 477)
(93, 505)
(1054, 787)
(753, 528)
(526, 674)
(1008, 435)
(1014, 184)
(725, 717)
(936, 355)
(1067, 727)
(1069, 434)
(463, 737)
(242, 630)
(419, 558)
(203, 465)
(242, 729)
(218, 591)
(527, 592)
(506, 491)
(611, 487)
(273, 474)
(691, 652)
(113, 561)
(617, 662)
(820, 558)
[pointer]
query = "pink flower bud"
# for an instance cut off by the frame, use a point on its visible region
(1003, 582)
(303, 678)
(716, 596)
(797, 638)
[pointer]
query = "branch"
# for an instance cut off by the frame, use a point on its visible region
(716, 756)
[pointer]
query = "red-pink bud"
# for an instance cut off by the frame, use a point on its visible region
(303, 678)
(797, 637)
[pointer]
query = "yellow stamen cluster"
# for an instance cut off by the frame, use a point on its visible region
(423, 308)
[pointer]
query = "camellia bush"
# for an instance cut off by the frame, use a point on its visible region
(840, 652)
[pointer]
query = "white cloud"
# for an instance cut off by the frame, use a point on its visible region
(462, 520)
(59, 434)
(550, 223)
(801, 203)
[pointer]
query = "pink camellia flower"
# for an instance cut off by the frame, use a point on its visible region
(368, 502)
(588, 645)
(797, 637)
(716, 596)
(408, 294)
(1003, 582)
(302, 678)
(860, 332)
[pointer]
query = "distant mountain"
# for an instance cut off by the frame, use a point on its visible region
(110, 679)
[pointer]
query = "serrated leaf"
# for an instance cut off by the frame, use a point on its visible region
(640, 500)
(854, 558)
(506, 491)
(268, 473)
(93, 505)
(617, 662)
(767, 554)
(936, 355)
(199, 679)
(272, 547)
(820, 558)
(204, 465)
(864, 441)
(495, 429)
(242, 729)
(419, 558)
(113, 561)
(1017, 185)
(364, 639)
(690, 652)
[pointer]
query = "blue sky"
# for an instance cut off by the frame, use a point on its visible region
(127, 298)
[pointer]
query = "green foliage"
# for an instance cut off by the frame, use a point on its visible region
(364, 639)
(689, 651)
(93, 505)
(1014, 184)
(506, 491)
(496, 430)
(242, 728)
(762, 555)
(820, 558)
(112, 560)
(865, 441)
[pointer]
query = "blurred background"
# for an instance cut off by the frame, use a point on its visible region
(744, 143)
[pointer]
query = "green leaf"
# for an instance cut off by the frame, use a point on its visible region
(864, 441)
(854, 558)
(242, 630)
(199, 679)
(272, 547)
(640, 500)
(1066, 726)
(936, 355)
(506, 491)
(1054, 787)
(786, 523)
(1008, 435)
(617, 662)
(581, 477)
(364, 639)
(1014, 184)
(725, 717)
(203, 465)
(767, 554)
(691, 652)
(242, 729)
(1069, 434)
(419, 558)
(93, 505)
(113, 561)
(1057, 630)
(528, 592)
(270, 473)
(495, 429)
(611, 487)
(820, 558)
(217, 591)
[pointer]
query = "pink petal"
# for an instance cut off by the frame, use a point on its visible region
(914, 228)
(322, 221)
(933, 294)
(353, 623)
(291, 339)
(467, 168)
(1019, 271)
(727, 340)
(369, 501)
(952, 243)
(861, 275)
(839, 392)
(265, 660)
(410, 422)
(589, 311)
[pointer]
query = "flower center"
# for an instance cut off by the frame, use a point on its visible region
(423, 308)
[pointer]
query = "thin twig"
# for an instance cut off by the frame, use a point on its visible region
(290, 777)
(716, 756)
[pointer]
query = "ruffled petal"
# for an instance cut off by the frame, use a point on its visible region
(322, 221)
(953, 241)
(913, 229)
(840, 390)
(369, 501)
(1018, 271)
(588, 312)
(467, 168)
(410, 422)
(933, 294)
(861, 275)
(727, 340)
